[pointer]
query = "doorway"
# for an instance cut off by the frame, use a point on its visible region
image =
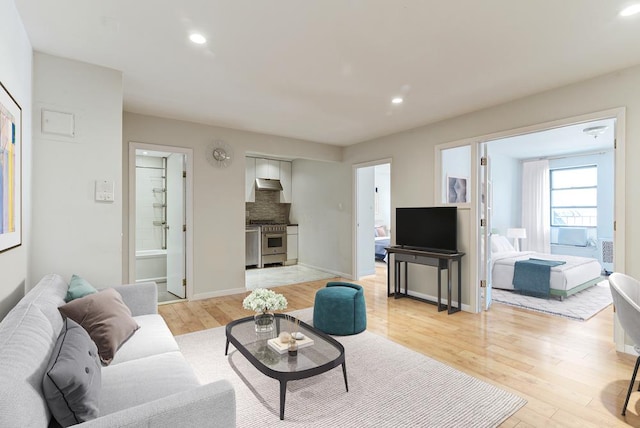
(572, 219)
(159, 219)
(372, 216)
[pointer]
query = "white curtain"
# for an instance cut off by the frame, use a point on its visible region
(535, 206)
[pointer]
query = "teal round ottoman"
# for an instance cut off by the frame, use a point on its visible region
(339, 309)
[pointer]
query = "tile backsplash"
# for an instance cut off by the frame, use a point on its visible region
(267, 207)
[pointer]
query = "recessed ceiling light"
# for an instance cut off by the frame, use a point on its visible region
(397, 100)
(630, 10)
(197, 38)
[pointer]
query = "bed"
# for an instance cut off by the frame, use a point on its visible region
(382, 240)
(381, 243)
(576, 274)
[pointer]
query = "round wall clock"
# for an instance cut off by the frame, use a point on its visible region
(219, 154)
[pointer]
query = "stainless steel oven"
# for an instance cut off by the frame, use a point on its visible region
(274, 243)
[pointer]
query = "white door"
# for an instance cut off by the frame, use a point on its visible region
(175, 200)
(365, 190)
(485, 202)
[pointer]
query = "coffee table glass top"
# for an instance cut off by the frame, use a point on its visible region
(324, 350)
(325, 353)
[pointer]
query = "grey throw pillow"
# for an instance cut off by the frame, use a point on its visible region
(73, 378)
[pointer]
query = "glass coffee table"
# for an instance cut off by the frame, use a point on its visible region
(325, 354)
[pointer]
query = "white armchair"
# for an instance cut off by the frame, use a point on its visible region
(626, 298)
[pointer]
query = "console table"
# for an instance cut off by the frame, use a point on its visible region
(429, 258)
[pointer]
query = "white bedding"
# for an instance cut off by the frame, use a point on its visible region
(576, 270)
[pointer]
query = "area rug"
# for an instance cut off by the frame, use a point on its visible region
(580, 306)
(389, 386)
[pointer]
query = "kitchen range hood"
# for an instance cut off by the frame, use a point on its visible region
(269, 184)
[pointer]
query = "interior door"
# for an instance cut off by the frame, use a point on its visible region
(365, 189)
(485, 201)
(176, 273)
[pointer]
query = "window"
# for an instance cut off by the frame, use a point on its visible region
(574, 196)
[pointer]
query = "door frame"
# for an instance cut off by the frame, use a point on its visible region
(133, 147)
(354, 220)
(619, 209)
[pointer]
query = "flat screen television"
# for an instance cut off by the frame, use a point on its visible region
(428, 228)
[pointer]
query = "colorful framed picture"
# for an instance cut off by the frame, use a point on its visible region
(10, 171)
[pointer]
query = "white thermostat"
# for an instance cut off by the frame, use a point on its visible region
(105, 191)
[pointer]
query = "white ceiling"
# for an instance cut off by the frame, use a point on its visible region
(570, 139)
(326, 70)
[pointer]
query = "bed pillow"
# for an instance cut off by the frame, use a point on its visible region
(500, 244)
(78, 287)
(73, 379)
(381, 231)
(105, 317)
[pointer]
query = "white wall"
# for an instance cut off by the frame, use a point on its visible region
(323, 209)
(506, 179)
(413, 151)
(218, 193)
(15, 75)
(72, 233)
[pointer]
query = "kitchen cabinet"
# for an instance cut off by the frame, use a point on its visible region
(292, 245)
(250, 180)
(267, 168)
(285, 180)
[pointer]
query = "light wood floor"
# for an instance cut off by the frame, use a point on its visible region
(568, 371)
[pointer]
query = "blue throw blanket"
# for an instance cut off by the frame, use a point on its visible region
(532, 276)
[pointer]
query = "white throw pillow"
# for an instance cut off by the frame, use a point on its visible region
(500, 244)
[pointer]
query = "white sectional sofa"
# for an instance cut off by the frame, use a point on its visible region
(148, 383)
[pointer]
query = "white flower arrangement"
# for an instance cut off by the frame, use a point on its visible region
(263, 300)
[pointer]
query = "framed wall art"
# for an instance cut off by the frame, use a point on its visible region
(457, 190)
(10, 171)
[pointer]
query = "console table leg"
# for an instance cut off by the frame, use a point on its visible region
(396, 278)
(448, 286)
(226, 348)
(283, 393)
(459, 286)
(406, 278)
(439, 287)
(388, 275)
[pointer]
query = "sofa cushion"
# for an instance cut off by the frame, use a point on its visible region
(47, 295)
(107, 319)
(26, 341)
(71, 383)
(78, 287)
(153, 337)
(143, 380)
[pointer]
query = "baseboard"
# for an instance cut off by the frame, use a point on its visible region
(158, 279)
(628, 349)
(219, 293)
(340, 274)
(444, 300)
